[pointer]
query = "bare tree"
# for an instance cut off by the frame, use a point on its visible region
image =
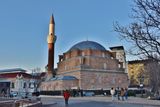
(144, 34)
(144, 31)
(36, 72)
(152, 69)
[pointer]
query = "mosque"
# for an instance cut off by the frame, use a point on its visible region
(86, 65)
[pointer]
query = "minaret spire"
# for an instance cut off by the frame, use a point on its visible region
(52, 26)
(51, 39)
(52, 19)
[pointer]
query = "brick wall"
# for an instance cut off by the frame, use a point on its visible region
(98, 80)
(89, 80)
(94, 69)
(58, 85)
(92, 59)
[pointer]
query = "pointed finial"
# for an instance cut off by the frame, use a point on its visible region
(87, 38)
(52, 19)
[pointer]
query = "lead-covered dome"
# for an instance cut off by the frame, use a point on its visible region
(87, 45)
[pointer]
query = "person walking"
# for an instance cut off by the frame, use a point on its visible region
(126, 93)
(112, 91)
(118, 93)
(122, 94)
(66, 96)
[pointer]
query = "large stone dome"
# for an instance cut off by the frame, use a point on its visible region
(87, 45)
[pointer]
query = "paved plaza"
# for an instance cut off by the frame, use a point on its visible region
(97, 101)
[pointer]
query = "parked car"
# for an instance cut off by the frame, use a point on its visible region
(88, 93)
(13, 94)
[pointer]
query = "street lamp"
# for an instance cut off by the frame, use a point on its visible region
(141, 85)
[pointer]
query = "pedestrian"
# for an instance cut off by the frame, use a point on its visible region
(66, 96)
(126, 93)
(112, 91)
(74, 93)
(3, 92)
(118, 93)
(81, 93)
(101, 91)
(122, 94)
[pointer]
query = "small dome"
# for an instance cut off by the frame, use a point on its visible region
(87, 45)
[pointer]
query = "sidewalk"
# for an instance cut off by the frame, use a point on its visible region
(131, 100)
(49, 102)
(145, 101)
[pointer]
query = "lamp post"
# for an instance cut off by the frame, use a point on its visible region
(141, 85)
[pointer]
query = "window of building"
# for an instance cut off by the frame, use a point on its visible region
(24, 85)
(113, 81)
(66, 57)
(12, 85)
(83, 53)
(105, 66)
(119, 65)
(65, 67)
(131, 67)
(103, 54)
(29, 85)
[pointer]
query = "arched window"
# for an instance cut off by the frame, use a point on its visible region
(83, 53)
(103, 54)
(24, 85)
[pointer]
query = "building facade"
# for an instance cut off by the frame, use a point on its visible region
(16, 80)
(136, 73)
(88, 65)
(91, 67)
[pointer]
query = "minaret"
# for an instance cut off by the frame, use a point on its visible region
(51, 39)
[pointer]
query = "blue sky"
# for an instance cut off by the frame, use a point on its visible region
(24, 27)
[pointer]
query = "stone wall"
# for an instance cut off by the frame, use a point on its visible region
(94, 69)
(89, 80)
(94, 59)
(106, 80)
(58, 85)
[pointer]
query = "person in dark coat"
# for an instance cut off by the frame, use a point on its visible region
(66, 96)
(118, 93)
